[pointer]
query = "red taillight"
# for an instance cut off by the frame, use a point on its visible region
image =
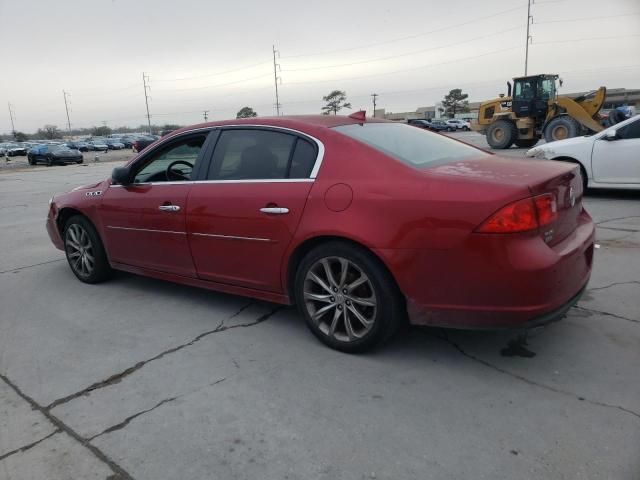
(522, 216)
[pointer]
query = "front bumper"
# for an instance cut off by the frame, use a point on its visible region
(52, 228)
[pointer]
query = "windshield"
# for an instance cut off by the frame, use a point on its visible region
(413, 146)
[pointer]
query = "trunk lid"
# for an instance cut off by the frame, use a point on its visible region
(561, 179)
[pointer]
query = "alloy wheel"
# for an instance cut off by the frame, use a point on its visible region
(79, 250)
(340, 299)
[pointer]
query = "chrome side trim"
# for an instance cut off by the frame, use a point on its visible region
(232, 237)
(145, 230)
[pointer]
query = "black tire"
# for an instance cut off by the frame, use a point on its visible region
(386, 317)
(561, 128)
(466, 129)
(80, 161)
(501, 134)
(101, 270)
(526, 142)
(31, 160)
(49, 161)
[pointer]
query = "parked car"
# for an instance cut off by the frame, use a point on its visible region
(608, 159)
(15, 150)
(441, 125)
(126, 141)
(114, 144)
(420, 123)
(459, 124)
(98, 145)
(359, 222)
(78, 145)
(143, 142)
(53, 154)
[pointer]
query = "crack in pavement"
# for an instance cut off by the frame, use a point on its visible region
(614, 219)
(117, 378)
(29, 446)
(632, 320)
(60, 425)
(34, 265)
(126, 421)
(533, 382)
(630, 282)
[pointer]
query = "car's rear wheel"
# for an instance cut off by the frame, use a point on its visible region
(85, 252)
(31, 160)
(348, 299)
(49, 161)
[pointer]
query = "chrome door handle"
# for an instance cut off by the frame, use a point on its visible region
(275, 210)
(169, 208)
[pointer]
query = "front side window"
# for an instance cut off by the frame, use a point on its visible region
(172, 163)
(629, 131)
(412, 146)
(547, 89)
(524, 90)
(254, 154)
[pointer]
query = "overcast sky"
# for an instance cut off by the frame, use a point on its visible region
(216, 55)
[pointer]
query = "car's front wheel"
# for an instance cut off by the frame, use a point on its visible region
(85, 252)
(349, 300)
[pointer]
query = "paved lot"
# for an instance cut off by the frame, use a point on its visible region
(138, 378)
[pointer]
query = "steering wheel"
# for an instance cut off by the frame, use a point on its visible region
(177, 175)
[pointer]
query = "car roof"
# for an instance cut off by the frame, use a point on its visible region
(289, 121)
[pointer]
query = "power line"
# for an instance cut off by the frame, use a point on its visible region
(276, 79)
(587, 39)
(393, 57)
(145, 79)
(493, 52)
(247, 67)
(587, 18)
(408, 37)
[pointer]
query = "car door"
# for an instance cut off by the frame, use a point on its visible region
(145, 222)
(617, 160)
(242, 218)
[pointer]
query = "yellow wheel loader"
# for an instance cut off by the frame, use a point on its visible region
(535, 110)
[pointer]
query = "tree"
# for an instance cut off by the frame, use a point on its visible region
(246, 112)
(336, 101)
(20, 136)
(455, 102)
(49, 132)
(101, 131)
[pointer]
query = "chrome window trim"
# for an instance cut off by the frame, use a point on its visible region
(232, 237)
(192, 182)
(145, 230)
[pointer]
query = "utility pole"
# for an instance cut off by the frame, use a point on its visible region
(205, 114)
(145, 79)
(11, 114)
(276, 66)
(66, 107)
(526, 46)
(374, 96)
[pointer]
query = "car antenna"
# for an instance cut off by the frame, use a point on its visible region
(359, 115)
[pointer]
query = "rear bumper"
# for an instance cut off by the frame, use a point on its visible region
(494, 282)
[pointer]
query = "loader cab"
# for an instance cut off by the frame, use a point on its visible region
(531, 95)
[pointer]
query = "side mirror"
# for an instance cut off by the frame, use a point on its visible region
(611, 135)
(121, 176)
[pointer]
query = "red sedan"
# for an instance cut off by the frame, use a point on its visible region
(361, 223)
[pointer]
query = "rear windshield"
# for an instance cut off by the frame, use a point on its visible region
(413, 146)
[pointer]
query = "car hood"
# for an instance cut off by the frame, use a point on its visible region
(563, 143)
(89, 186)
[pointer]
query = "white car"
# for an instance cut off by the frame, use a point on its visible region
(608, 159)
(459, 124)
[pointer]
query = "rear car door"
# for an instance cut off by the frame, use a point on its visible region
(145, 222)
(243, 217)
(618, 160)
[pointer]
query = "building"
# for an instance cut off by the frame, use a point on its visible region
(616, 97)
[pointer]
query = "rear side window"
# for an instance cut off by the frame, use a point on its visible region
(254, 154)
(631, 130)
(413, 146)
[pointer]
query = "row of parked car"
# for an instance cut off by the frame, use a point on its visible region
(450, 125)
(51, 152)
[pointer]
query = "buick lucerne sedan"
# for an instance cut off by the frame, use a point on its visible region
(363, 223)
